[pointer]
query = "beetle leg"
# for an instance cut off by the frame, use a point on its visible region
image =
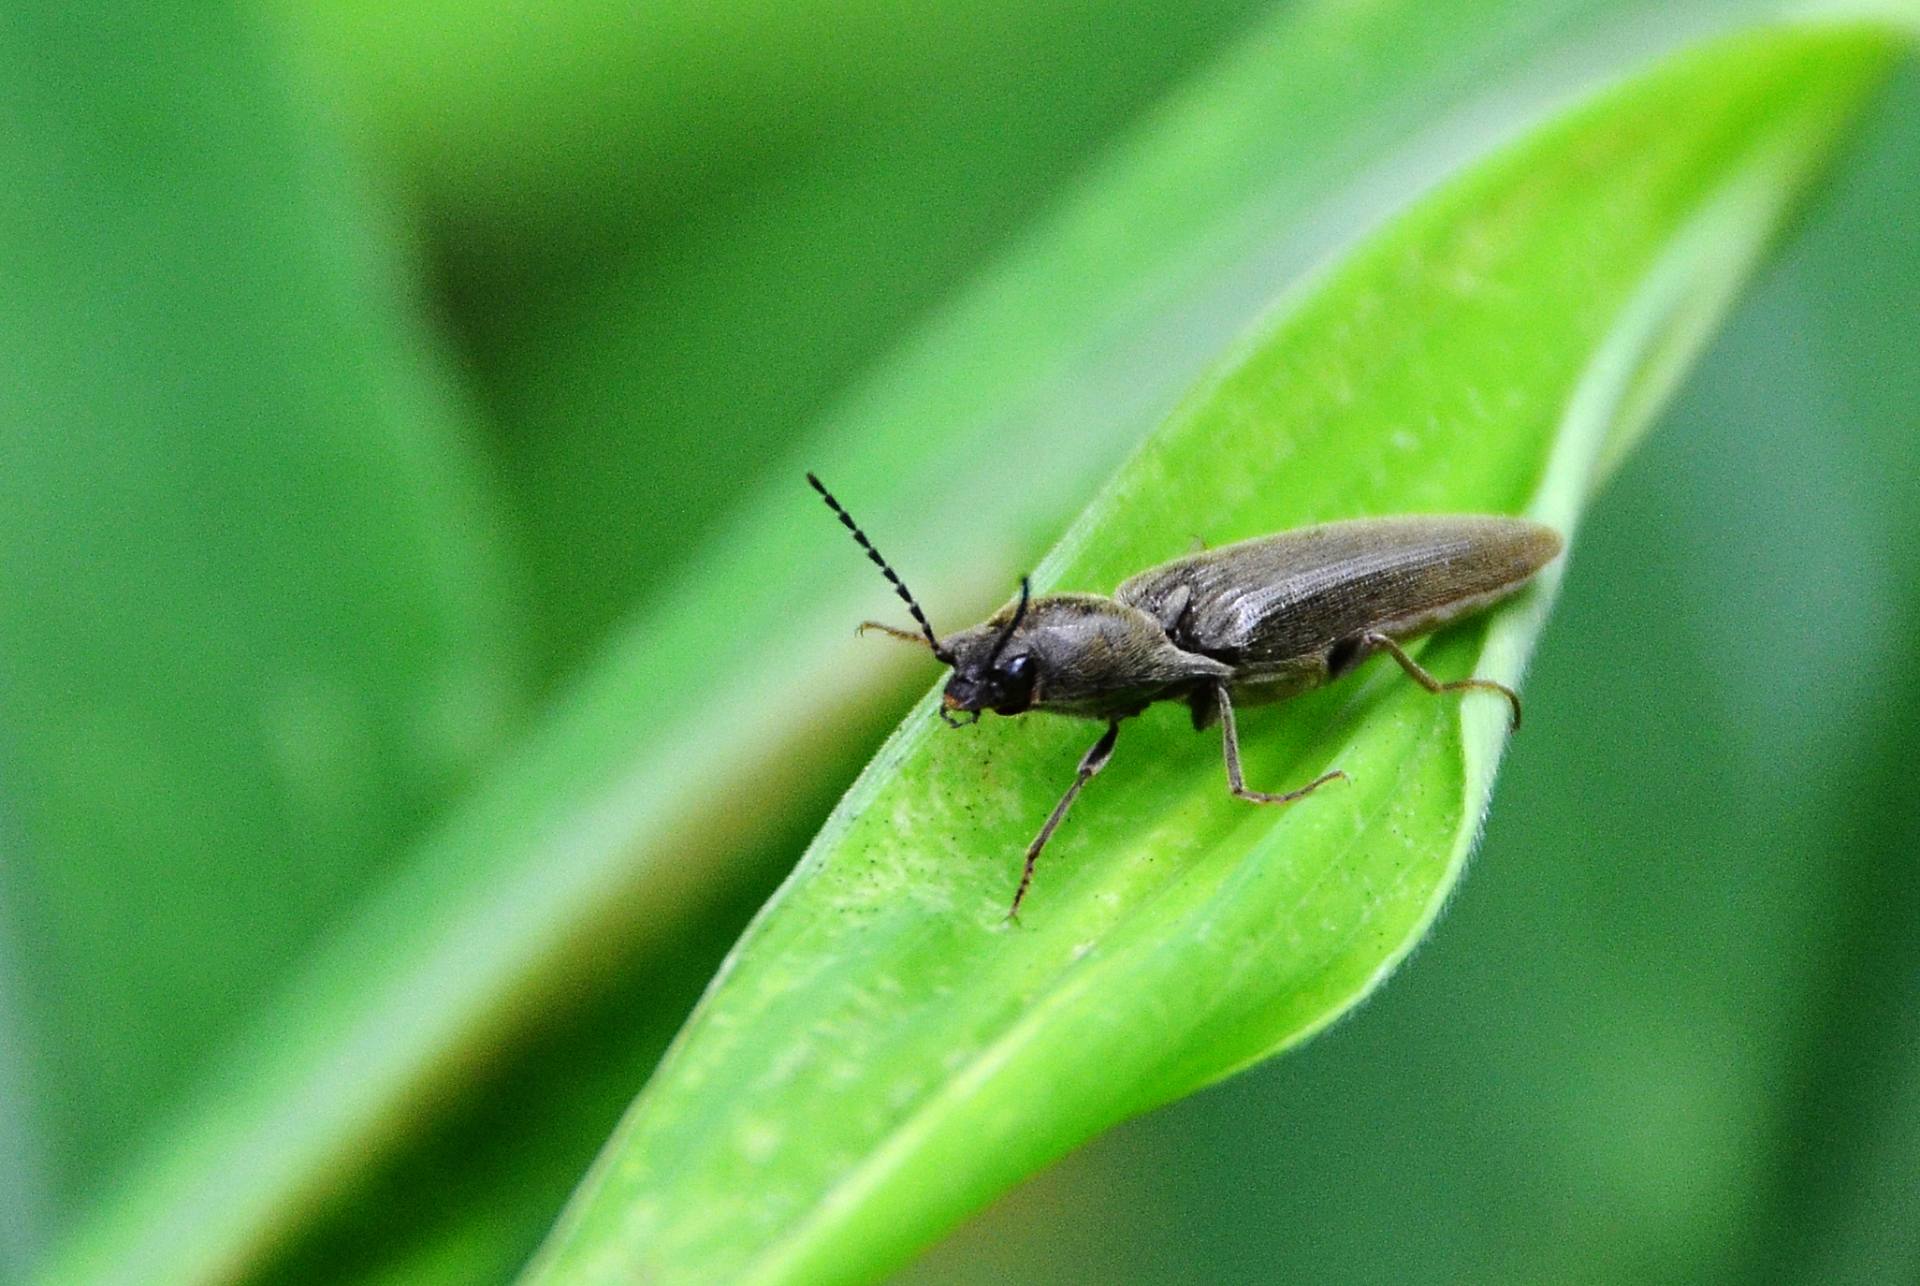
(1230, 741)
(905, 636)
(1431, 684)
(1090, 763)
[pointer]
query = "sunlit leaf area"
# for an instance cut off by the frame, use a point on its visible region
(450, 831)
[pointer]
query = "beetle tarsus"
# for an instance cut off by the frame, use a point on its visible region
(1230, 746)
(1090, 764)
(1288, 797)
(1419, 675)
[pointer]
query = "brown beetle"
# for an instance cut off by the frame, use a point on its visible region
(1246, 624)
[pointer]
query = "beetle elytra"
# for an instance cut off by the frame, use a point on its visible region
(1245, 624)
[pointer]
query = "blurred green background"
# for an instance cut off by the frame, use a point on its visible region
(370, 373)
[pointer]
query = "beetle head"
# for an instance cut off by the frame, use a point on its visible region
(987, 675)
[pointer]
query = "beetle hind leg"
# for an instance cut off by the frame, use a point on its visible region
(1236, 781)
(1371, 641)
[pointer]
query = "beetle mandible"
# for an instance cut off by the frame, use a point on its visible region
(1245, 624)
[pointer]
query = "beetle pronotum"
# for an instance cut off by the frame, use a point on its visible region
(1246, 624)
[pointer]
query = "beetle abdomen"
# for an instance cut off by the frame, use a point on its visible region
(1275, 599)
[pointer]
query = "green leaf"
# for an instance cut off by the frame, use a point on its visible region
(676, 230)
(255, 617)
(882, 1053)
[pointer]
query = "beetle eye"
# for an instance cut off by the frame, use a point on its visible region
(1013, 682)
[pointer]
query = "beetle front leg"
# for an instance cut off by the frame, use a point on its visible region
(1230, 742)
(1433, 685)
(893, 632)
(1090, 763)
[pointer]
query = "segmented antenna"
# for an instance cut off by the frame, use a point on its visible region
(899, 586)
(1013, 623)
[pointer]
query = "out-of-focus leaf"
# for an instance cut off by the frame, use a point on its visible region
(548, 133)
(254, 617)
(1841, 1199)
(1476, 356)
(471, 1199)
(1839, 1204)
(672, 232)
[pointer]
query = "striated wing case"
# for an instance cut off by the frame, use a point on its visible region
(1275, 599)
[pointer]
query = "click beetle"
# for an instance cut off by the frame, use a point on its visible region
(1249, 623)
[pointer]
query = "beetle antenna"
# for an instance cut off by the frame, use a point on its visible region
(893, 577)
(1019, 614)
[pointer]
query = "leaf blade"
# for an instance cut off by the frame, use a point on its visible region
(255, 609)
(862, 984)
